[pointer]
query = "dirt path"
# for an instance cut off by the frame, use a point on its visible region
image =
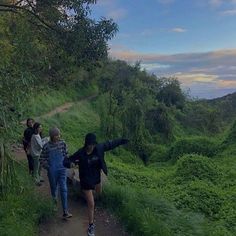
(106, 224)
(60, 109)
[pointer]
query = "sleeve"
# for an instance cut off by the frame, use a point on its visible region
(75, 157)
(109, 145)
(44, 157)
(72, 159)
(39, 141)
(65, 150)
(44, 153)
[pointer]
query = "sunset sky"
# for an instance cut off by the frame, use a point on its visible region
(193, 40)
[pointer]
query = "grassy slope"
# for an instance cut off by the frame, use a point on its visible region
(21, 212)
(146, 198)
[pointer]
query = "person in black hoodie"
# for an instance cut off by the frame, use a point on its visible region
(26, 143)
(91, 161)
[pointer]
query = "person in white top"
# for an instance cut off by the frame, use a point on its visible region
(36, 146)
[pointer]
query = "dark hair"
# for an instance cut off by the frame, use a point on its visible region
(35, 127)
(27, 121)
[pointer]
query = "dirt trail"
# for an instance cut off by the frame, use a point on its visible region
(106, 224)
(60, 109)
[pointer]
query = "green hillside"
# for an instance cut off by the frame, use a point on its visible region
(177, 176)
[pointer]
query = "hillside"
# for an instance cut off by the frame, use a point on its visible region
(176, 177)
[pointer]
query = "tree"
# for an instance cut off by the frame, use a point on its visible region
(170, 93)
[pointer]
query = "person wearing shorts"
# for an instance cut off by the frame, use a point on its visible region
(90, 159)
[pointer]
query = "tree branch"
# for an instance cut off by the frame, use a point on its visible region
(14, 8)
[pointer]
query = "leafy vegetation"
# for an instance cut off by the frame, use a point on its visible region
(177, 176)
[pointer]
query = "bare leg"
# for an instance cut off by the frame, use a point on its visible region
(90, 202)
(98, 188)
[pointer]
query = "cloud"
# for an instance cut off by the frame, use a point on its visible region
(117, 14)
(229, 12)
(215, 3)
(206, 71)
(220, 3)
(178, 30)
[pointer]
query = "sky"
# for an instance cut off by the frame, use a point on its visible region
(192, 40)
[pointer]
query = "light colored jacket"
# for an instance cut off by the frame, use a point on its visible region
(36, 145)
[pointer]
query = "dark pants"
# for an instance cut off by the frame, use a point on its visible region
(30, 163)
(58, 177)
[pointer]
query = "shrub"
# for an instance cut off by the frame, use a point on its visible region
(231, 137)
(193, 166)
(198, 145)
(200, 196)
(159, 154)
(146, 214)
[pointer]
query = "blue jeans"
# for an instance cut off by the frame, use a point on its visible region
(58, 177)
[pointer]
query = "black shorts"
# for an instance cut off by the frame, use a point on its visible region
(87, 186)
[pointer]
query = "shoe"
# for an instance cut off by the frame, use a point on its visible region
(67, 215)
(91, 230)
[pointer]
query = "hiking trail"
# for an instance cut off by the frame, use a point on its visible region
(106, 223)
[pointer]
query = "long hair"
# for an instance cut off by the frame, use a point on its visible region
(35, 127)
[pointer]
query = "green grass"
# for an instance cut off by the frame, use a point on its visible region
(49, 99)
(20, 212)
(162, 199)
(74, 124)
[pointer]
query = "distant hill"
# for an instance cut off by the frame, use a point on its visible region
(225, 106)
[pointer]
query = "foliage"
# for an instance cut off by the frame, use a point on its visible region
(200, 196)
(20, 212)
(201, 118)
(170, 93)
(231, 136)
(145, 214)
(193, 166)
(158, 120)
(159, 154)
(198, 145)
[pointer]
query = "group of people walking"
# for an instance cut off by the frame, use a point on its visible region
(52, 154)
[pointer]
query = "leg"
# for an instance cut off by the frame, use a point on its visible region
(30, 163)
(63, 189)
(36, 169)
(98, 188)
(52, 177)
(90, 202)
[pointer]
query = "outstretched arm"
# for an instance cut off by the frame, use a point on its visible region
(109, 145)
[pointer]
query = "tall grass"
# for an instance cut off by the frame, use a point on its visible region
(20, 213)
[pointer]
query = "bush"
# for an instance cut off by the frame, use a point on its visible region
(159, 154)
(146, 214)
(231, 137)
(200, 196)
(199, 145)
(193, 166)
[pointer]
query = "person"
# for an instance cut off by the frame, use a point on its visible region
(26, 143)
(36, 145)
(52, 156)
(90, 159)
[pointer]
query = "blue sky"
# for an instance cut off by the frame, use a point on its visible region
(193, 40)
